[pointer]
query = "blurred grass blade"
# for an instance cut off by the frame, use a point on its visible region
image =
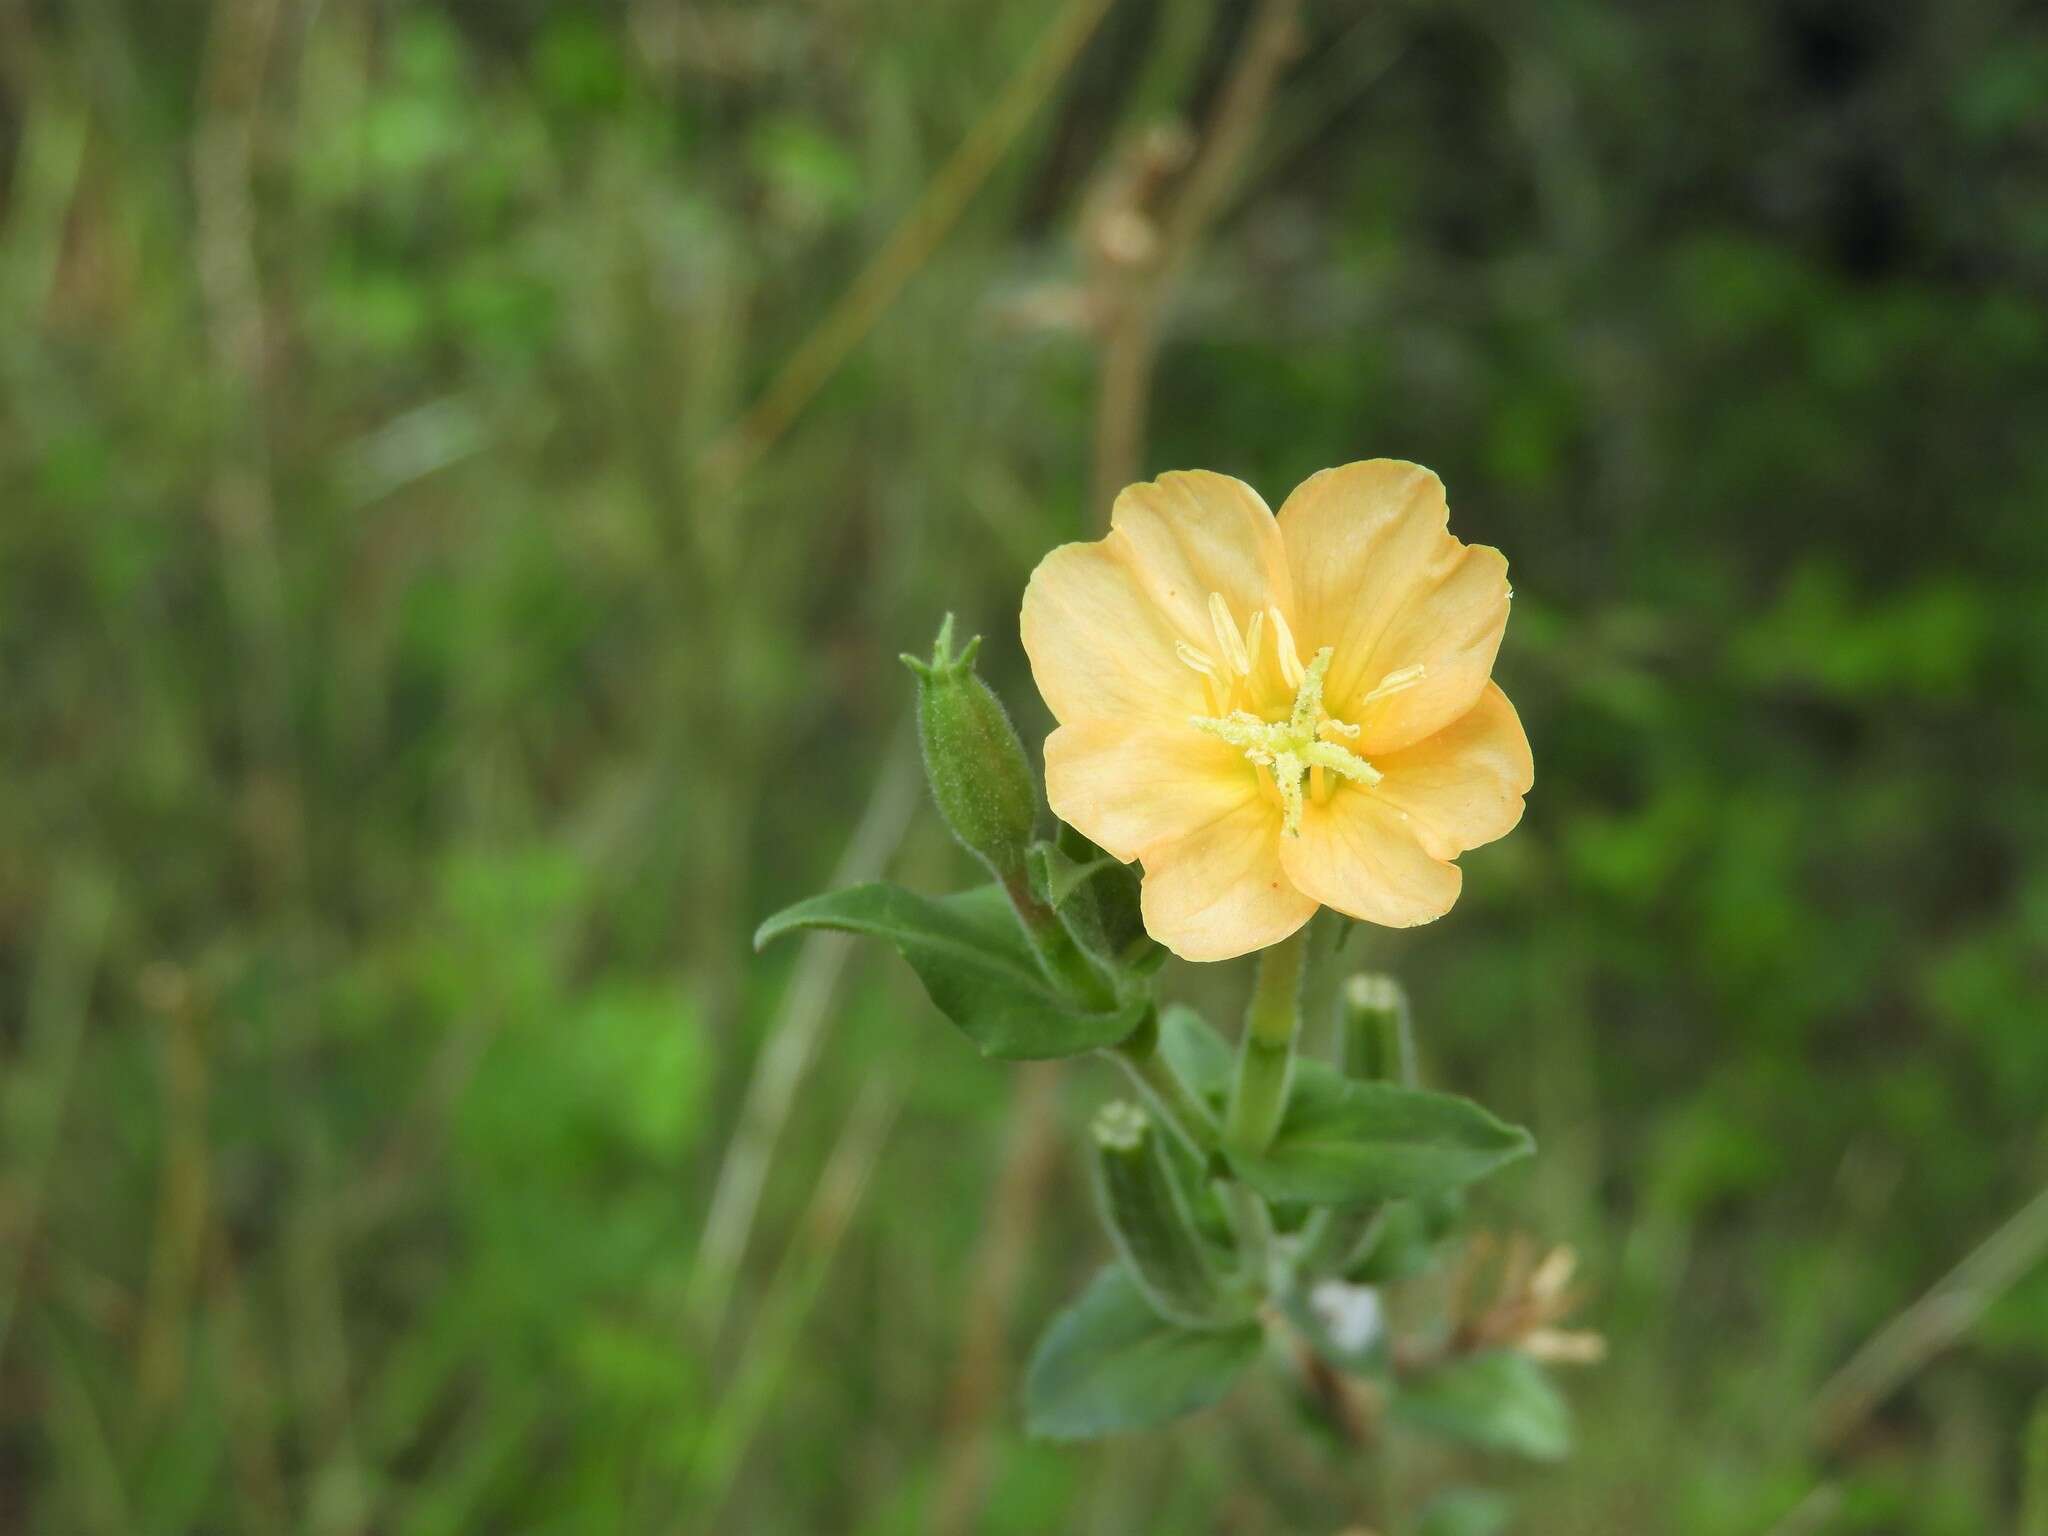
(37, 1091)
(792, 1040)
(770, 1348)
(1932, 1323)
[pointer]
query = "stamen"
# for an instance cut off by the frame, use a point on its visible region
(1287, 771)
(1284, 648)
(1227, 636)
(1199, 660)
(1242, 729)
(1322, 754)
(1396, 681)
(1254, 641)
(1308, 699)
(1293, 749)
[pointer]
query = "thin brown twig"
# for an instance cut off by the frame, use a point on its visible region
(1931, 1324)
(242, 503)
(799, 1024)
(183, 1193)
(21, 59)
(1131, 345)
(1031, 1151)
(68, 958)
(1030, 1154)
(907, 249)
(250, 1389)
(770, 1348)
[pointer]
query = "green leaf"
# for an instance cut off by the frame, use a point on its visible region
(1111, 1363)
(1061, 877)
(1097, 897)
(1344, 1141)
(1404, 1248)
(975, 965)
(1198, 1055)
(1500, 1401)
(1465, 1512)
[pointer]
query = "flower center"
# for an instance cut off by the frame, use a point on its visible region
(1298, 748)
(1300, 753)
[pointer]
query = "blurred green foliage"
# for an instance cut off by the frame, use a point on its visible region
(401, 734)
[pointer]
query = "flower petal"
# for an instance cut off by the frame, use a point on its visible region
(1220, 890)
(1193, 532)
(1378, 577)
(1463, 786)
(1129, 788)
(1356, 854)
(1099, 649)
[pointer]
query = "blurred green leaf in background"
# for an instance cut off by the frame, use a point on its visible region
(402, 732)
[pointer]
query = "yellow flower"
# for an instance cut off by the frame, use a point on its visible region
(1275, 713)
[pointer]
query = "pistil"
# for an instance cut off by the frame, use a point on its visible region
(1291, 750)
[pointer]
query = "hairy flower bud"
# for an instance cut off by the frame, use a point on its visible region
(1375, 1038)
(1150, 1221)
(1375, 1042)
(973, 759)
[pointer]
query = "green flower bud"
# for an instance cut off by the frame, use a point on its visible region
(1374, 1037)
(1375, 1042)
(979, 774)
(1148, 1218)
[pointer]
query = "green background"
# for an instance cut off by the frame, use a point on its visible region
(403, 725)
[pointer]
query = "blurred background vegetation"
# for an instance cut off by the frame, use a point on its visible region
(419, 672)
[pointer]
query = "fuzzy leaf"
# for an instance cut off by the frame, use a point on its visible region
(1110, 1363)
(1343, 1142)
(975, 965)
(1201, 1057)
(1502, 1401)
(1098, 898)
(1465, 1512)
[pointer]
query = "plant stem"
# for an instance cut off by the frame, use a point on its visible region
(1187, 1116)
(1265, 1058)
(1070, 969)
(1339, 1236)
(1253, 1224)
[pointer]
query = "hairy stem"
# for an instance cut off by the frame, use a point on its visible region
(1187, 1116)
(1265, 1058)
(1064, 961)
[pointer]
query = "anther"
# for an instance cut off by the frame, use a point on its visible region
(1227, 636)
(1199, 660)
(1284, 648)
(1396, 681)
